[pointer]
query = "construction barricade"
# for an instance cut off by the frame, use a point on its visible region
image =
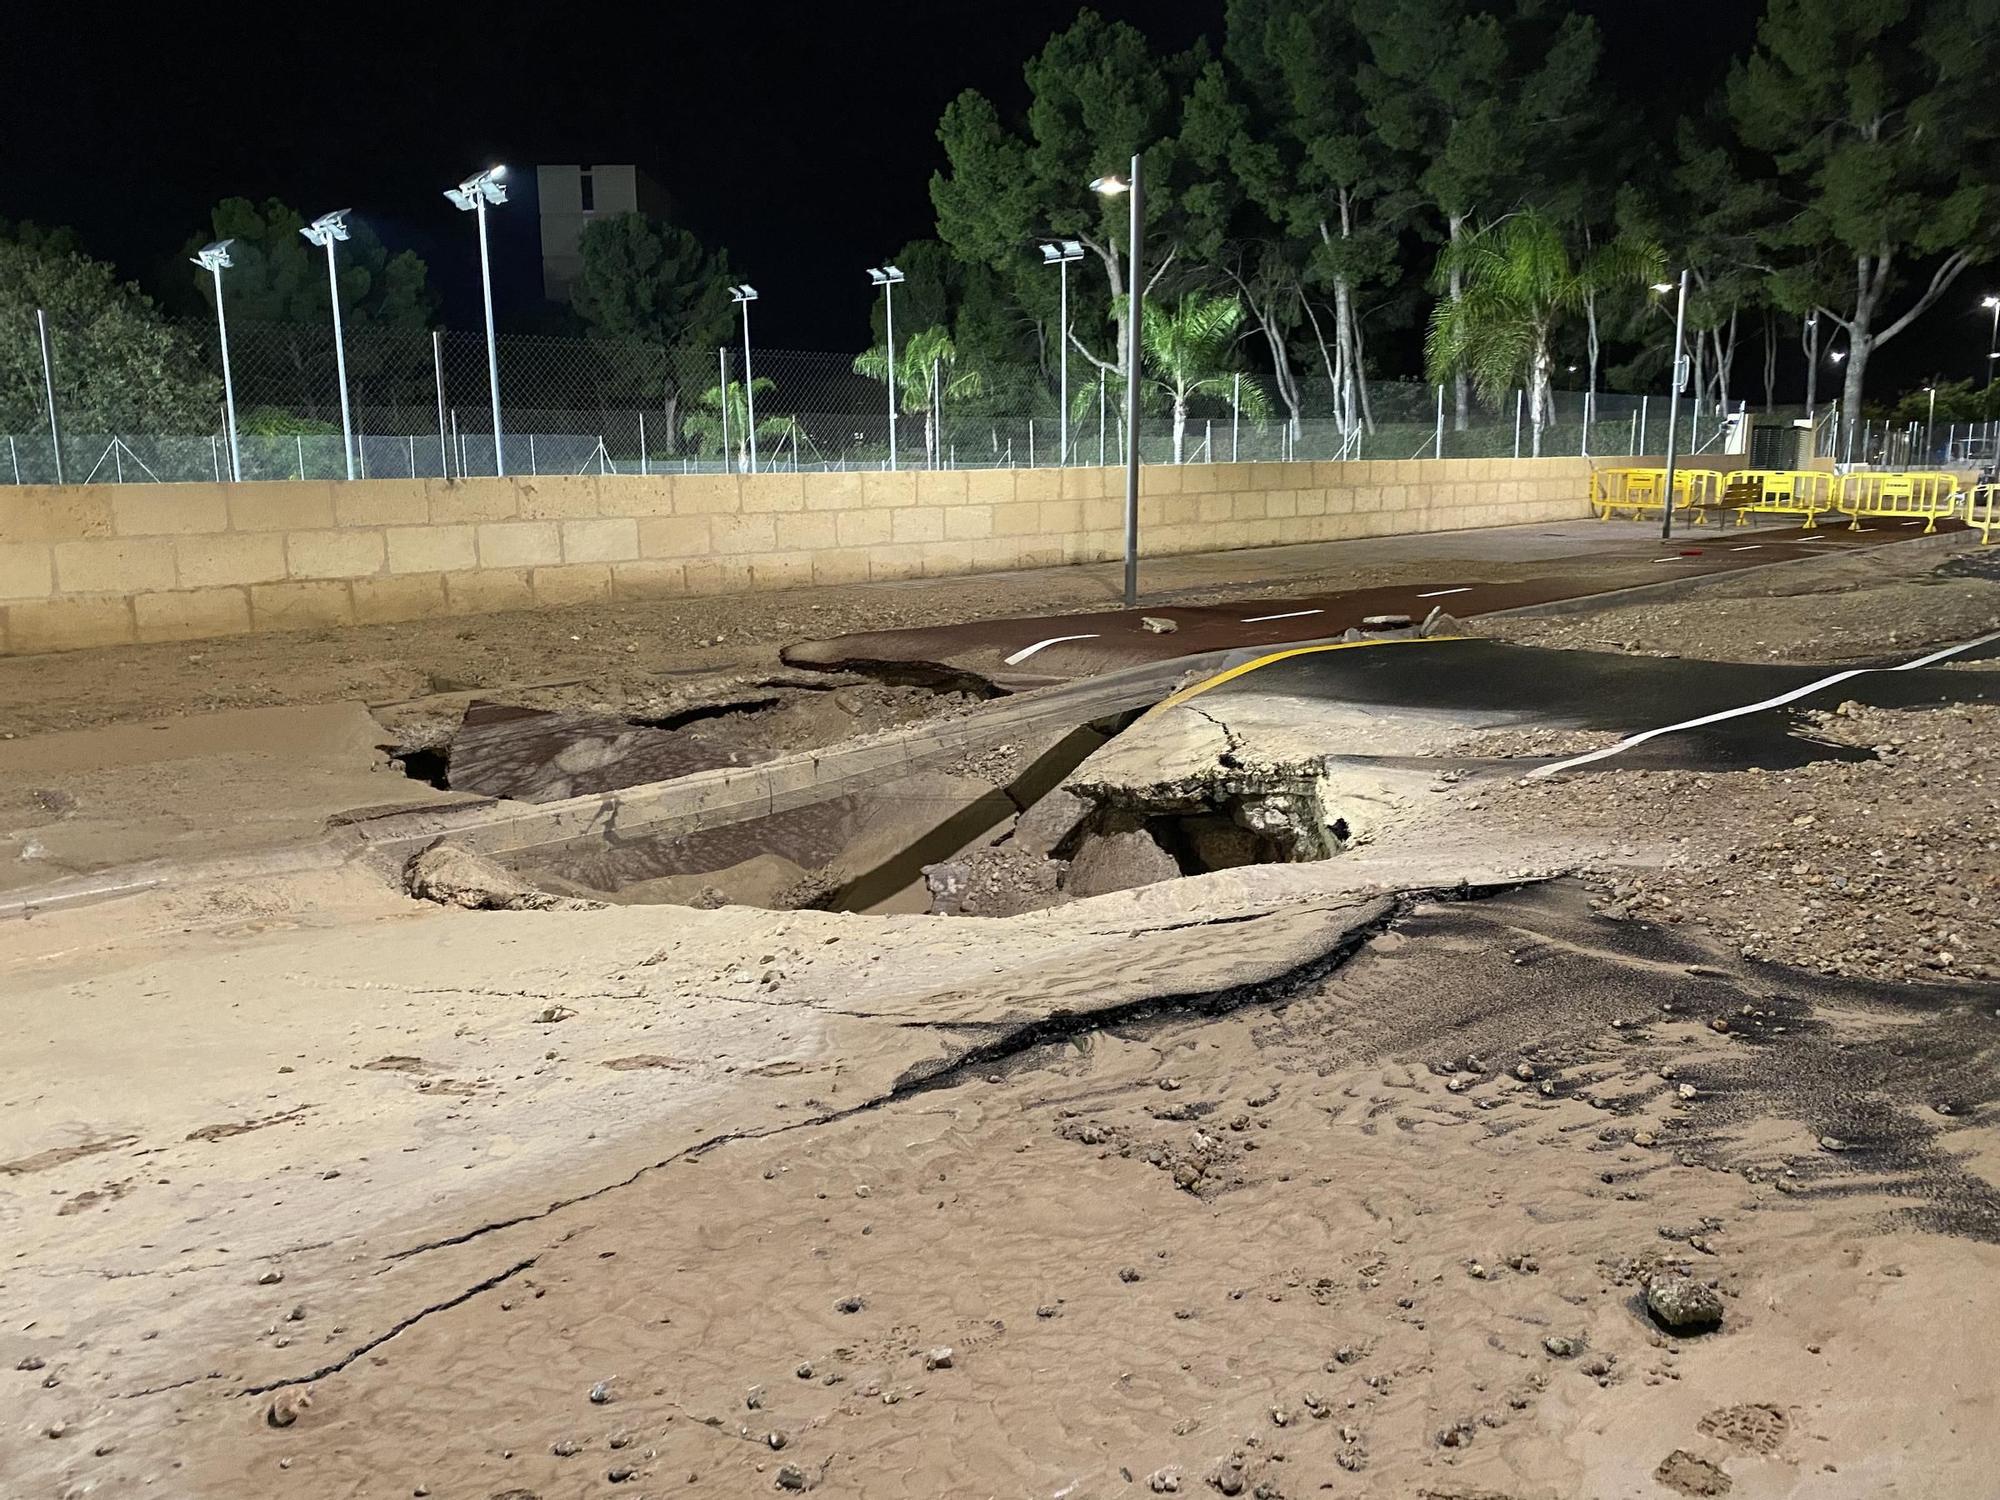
(1915, 496)
(1635, 492)
(1777, 492)
(1982, 510)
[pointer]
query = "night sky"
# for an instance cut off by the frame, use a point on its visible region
(801, 136)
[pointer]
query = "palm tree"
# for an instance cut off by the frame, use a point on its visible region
(706, 424)
(1187, 348)
(927, 376)
(1519, 284)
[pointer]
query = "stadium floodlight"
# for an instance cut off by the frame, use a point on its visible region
(325, 230)
(1112, 186)
(886, 276)
(472, 196)
(215, 259)
(1059, 253)
(743, 296)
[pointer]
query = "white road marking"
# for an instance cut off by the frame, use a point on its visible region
(1806, 540)
(1753, 547)
(1910, 523)
(1442, 592)
(1675, 558)
(1297, 614)
(1755, 708)
(1055, 640)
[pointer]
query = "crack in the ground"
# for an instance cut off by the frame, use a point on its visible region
(1232, 741)
(1054, 1028)
(382, 1338)
(1014, 1039)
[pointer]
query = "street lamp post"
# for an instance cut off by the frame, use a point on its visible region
(1930, 427)
(1059, 254)
(1674, 402)
(886, 276)
(324, 230)
(1112, 186)
(215, 260)
(472, 196)
(743, 296)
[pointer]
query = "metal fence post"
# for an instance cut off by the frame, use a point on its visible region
(15, 456)
(1031, 442)
(1100, 419)
(1519, 396)
(49, 385)
(457, 448)
(643, 462)
(532, 470)
(1235, 415)
(1642, 423)
(437, 366)
(299, 438)
(722, 364)
(215, 457)
(413, 455)
(1440, 423)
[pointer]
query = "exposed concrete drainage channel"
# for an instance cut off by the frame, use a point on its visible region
(975, 810)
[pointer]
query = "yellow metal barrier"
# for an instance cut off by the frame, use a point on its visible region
(1982, 510)
(1783, 492)
(1918, 495)
(1637, 491)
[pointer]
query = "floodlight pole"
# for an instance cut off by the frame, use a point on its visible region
(228, 381)
(1674, 410)
(1062, 340)
(889, 328)
(492, 348)
(1930, 429)
(746, 294)
(49, 385)
(1135, 236)
(339, 353)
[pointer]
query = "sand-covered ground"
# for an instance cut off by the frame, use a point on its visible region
(1347, 1178)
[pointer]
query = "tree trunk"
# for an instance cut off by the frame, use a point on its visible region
(1538, 392)
(1809, 341)
(1770, 360)
(1591, 347)
(1121, 312)
(1460, 383)
(1180, 425)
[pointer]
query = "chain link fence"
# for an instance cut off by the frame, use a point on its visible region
(131, 409)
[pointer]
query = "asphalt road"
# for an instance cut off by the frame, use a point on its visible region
(1031, 650)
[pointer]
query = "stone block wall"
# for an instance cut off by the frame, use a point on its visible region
(111, 564)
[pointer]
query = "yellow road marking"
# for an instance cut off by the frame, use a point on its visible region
(1219, 678)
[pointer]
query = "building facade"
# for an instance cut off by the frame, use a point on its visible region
(573, 195)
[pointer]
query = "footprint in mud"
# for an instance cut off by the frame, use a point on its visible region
(1680, 1470)
(1757, 1428)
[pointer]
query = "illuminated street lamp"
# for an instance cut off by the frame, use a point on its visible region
(214, 259)
(1111, 187)
(1674, 398)
(472, 196)
(1060, 253)
(886, 276)
(324, 231)
(743, 296)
